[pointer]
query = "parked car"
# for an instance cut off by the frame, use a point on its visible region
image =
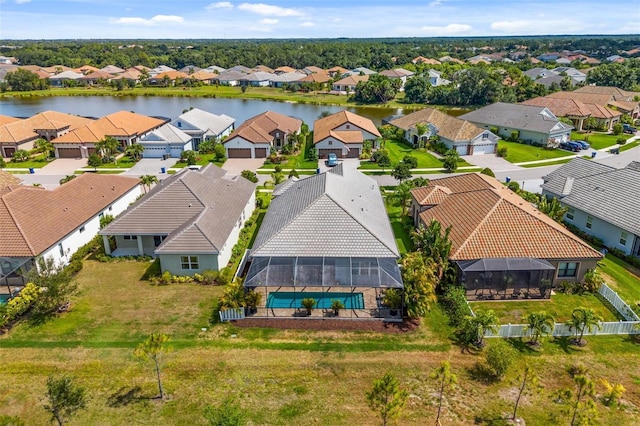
(583, 144)
(628, 128)
(332, 160)
(571, 146)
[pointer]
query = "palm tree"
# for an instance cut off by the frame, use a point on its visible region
(421, 129)
(485, 321)
(552, 208)
(540, 323)
(107, 146)
(135, 151)
(44, 146)
(434, 244)
(583, 319)
(147, 181)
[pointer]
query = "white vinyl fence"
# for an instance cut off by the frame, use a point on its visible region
(630, 326)
(231, 314)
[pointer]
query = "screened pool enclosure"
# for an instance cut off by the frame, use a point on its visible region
(358, 283)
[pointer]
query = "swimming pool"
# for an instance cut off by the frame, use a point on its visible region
(290, 299)
(4, 298)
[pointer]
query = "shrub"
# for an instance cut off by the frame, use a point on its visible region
(591, 282)
(209, 277)
(514, 186)
(621, 141)
(249, 175)
(502, 152)
(500, 356)
(514, 136)
(411, 161)
(487, 171)
(455, 304)
(219, 151)
(617, 129)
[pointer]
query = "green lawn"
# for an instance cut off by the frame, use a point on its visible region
(203, 160)
(598, 140)
(621, 277)
(124, 162)
(398, 150)
(403, 238)
(560, 306)
(296, 161)
(520, 152)
(36, 162)
(630, 145)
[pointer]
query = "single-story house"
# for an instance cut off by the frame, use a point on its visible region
(167, 77)
(533, 124)
(166, 141)
(601, 200)
(361, 71)
(96, 77)
(398, 74)
(435, 78)
(60, 79)
(501, 245)
(229, 77)
(203, 125)
(204, 76)
(326, 237)
(286, 78)
(260, 135)
(124, 126)
(285, 69)
(423, 60)
(159, 70)
(576, 111)
(461, 135)
(343, 134)
(348, 84)
(257, 79)
(37, 222)
(190, 221)
(112, 69)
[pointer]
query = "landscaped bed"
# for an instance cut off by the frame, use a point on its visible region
(203, 160)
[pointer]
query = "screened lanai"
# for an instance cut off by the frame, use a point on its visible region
(359, 283)
(12, 270)
(506, 278)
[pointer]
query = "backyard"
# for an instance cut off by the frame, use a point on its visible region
(521, 152)
(278, 377)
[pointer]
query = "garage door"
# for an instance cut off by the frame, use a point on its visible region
(154, 152)
(239, 152)
(462, 149)
(69, 153)
(261, 152)
(91, 151)
(353, 153)
(8, 152)
(487, 148)
(324, 152)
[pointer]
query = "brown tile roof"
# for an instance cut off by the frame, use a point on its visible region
(259, 129)
(564, 107)
(314, 69)
(122, 123)
(85, 69)
(171, 74)
(7, 179)
(337, 69)
(263, 68)
(56, 69)
(352, 80)
(625, 105)
(34, 219)
(25, 130)
(319, 77)
(285, 69)
(203, 75)
(324, 127)
(449, 127)
(618, 94)
(490, 221)
(95, 75)
(17, 132)
(423, 60)
(585, 98)
(6, 119)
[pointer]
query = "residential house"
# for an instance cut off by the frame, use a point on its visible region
(112, 69)
(348, 84)
(601, 200)
(325, 237)
(537, 72)
(284, 69)
(8, 179)
(575, 75)
(450, 59)
(159, 70)
(576, 111)
(203, 125)
(214, 68)
(263, 68)
(124, 126)
(285, 79)
(312, 69)
(49, 125)
(344, 134)
(501, 246)
(361, 71)
(398, 74)
(5, 69)
(8, 60)
(624, 101)
(261, 135)
(533, 124)
(463, 136)
(190, 69)
(61, 79)
(229, 78)
(435, 78)
(167, 78)
(166, 141)
(52, 70)
(336, 71)
(423, 60)
(314, 80)
(87, 69)
(54, 223)
(96, 77)
(257, 79)
(205, 77)
(190, 221)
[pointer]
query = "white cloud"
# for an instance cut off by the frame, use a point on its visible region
(22, 1)
(220, 5)
(269, 21)
(269, 10)
(447, 30)
(158, 19)
(307, 24)
(435, 3)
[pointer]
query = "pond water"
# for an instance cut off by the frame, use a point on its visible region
(171, 107)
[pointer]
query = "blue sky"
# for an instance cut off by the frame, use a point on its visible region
(118, 19)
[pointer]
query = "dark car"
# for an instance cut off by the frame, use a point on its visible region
(571, 146)
(583, 144)
(627, 128)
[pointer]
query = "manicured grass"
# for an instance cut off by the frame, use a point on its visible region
(398, 222)
(598, 140)
(521, 152)
(296, 161)
(398, 150)
(36, 162)
(203, 160)
(629, 145)
(621, 277)
(124, 162)
(560, 306)
(548, 163)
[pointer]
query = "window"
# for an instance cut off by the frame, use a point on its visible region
(82, 229)
(110, 208)
(589, 222)
(623, 238)
(130, 237)
(101, 216)
(158, 239)
(330, 142)
(567, 269)
(61, 249)
(485, 136)
(570, 213)
(189, 262)
(179, 124)
(348, 126)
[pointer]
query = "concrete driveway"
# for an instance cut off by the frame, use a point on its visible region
(62, 167)
(235, 166)
(150, 166)
(495, 163)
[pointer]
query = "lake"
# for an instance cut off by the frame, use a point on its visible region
(171, 107)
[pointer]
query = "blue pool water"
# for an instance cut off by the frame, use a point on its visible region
(290, 299)
(4, 298)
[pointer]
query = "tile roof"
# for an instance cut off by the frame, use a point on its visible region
(616, 93)
(587, 98)
(259, 129)
(423, 60)
(338, 213)
(67, 75)
(7, 179)
(118, 124)
(516, 116)
(196, 209)
(490, 221)
(396, 73)
(204, 75)
(112, 69)
(172, 75)
(325, 127)
(258, 76)
(34, 219)
(285, 69)
(449, 127)
(351, 80)
(5, 119)
(166, 133)
(25, 130)
(601, 191)
(95, 75)
(316, 77)
(288, 77)
(563, 107)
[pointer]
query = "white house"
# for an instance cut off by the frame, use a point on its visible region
(203, 125)
(207, 211)
(55, 223)
(166, 141)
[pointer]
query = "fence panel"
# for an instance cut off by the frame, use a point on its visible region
(560, 330)
(232, 314)
(617, 302)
